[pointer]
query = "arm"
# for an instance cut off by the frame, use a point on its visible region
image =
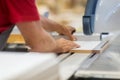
(51, 26)
(36, 37)
(40, 41)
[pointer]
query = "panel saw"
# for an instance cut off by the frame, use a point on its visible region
(101, 16)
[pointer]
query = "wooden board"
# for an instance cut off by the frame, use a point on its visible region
(90, 46)
(16, 38)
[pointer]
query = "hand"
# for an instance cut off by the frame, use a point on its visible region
(65, 45)
(68, 31)
(50, 26)
(70, 28)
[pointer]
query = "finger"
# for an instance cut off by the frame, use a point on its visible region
(68, 33)
(69, 46)
(76, 45)
(71, 29)
(70, 43)
(70, 36)
(75, 38)
(66, 49)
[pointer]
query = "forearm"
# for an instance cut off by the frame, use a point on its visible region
(37, 38)
(40, 41)
(50, 25)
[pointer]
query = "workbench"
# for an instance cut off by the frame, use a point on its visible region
(70, 66)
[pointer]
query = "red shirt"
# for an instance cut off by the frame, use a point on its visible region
(14, 11)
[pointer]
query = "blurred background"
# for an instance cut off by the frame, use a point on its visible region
(66, 12)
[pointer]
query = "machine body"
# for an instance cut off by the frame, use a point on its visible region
(102, 16)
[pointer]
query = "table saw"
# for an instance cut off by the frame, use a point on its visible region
(99, 17)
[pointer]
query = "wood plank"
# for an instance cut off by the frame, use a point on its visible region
(16, 38)
(90, 46)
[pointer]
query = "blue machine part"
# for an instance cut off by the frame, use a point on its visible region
(89, 17)
(46, 14)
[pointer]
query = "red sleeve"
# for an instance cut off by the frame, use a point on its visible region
(22, 10)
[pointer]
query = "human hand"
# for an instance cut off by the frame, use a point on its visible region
(64, 45)
(50, 26)
(68, 31)
(70, 28)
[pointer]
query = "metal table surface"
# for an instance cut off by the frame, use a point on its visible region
(103, 65)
